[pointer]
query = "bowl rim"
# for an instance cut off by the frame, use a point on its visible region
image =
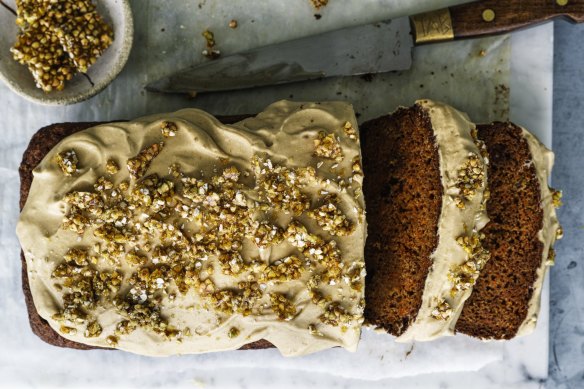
(118, 65)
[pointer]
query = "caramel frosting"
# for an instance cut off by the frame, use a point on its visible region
(177, 234)
(543, 161)
(459, 256)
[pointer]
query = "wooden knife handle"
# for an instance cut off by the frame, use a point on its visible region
(491, 17)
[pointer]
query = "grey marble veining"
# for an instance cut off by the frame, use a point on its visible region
(566, 364)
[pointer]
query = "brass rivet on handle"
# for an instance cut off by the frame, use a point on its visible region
(489, 14)
(561, 3)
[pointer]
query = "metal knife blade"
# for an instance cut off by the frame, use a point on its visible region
(371, 48)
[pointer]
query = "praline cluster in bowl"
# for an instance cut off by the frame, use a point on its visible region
(59, 38)
(73, 49)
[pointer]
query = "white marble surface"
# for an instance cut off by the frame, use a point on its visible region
(512, 363)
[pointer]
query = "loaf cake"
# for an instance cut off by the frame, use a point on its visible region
(429, 274)
(460, 221)
(177, 234)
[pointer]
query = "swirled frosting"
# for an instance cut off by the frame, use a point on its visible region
(177, 234)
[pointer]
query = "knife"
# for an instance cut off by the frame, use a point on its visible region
(371, 48)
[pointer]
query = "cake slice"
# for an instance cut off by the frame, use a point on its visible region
(520, 235)
(425, 187)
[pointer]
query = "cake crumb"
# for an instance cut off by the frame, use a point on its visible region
(93, 330)
(111, 167)
(551, 259)
(67, 161)
(556, 197)
(442, 311)
(350, 131)
(138, 165)
(168, 129)
(233, 333)
(282, 307)
(318, 4)
(328, 146)
(112, 340)
(211, 51)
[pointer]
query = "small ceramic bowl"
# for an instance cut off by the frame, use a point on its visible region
(116, 12)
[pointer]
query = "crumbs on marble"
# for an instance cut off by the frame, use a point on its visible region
(211, 51)
(318, 4)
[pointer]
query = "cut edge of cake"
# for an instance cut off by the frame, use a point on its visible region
(401, 165)
(543, 159)
(523, 228)
(452, 266)
(459, 256)
(524, 287)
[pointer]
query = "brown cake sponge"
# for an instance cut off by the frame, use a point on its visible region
(499, 302)
(40, 144)
(403, 193)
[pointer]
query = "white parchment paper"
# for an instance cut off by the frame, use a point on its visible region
(472, 75)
